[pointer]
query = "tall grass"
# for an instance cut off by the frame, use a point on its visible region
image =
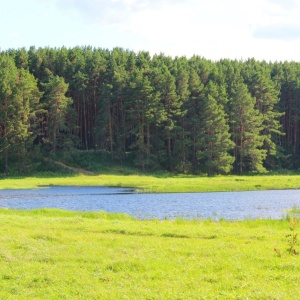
(54, 254)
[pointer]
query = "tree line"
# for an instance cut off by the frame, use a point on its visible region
(187, 115)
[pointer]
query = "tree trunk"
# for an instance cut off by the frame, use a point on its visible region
(6, 161)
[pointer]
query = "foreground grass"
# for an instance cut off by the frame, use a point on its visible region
(150, 183)
(52, 254)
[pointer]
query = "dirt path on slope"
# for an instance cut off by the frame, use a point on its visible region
(77, 170)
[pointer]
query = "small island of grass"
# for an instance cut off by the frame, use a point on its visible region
(157, 183)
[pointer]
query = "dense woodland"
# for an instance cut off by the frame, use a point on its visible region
(186, 115)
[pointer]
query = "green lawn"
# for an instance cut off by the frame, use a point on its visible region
(52, 254)
(150, 183)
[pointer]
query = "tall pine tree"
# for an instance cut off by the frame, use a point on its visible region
(246, 125)
(214, 142)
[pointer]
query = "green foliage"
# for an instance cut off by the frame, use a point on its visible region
(246, 124)
(293, 216)
(156, 113)
(56, 104)
(214, 141)
(19, 104)
(292, 237)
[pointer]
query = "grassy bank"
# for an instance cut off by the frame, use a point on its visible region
(52, 254)
(164, 183)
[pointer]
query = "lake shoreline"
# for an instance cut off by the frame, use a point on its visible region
(167, 184)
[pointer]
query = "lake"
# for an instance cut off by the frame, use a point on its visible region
(227, 205)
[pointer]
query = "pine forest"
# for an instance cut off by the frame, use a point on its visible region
(184, 115)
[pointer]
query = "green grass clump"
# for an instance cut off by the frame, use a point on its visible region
(54, 254)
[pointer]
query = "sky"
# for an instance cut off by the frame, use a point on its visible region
(214, 29)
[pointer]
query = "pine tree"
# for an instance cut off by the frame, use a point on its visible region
(28, 96)
(19, 97)
(214, 141)
(57, 107)
(267, 98)
(105, 122)
(193, 123)
(181, 141)
(141, 107)
(170, 111)
(8, 106)
(246, 125)
(289, 103)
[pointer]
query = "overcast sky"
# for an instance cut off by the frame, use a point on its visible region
(214, 29)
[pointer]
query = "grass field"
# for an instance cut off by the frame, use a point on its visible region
(53, 254)
(163, 183)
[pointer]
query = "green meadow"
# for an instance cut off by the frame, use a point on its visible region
(161, 183)
(54, 254)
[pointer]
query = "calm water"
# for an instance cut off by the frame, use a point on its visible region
(228, 205)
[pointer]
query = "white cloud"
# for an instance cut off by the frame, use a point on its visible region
(281, 21)
(279, 32)
(285, 4)
(14, 34)
(109, 12)
(199, 27)
(264, 29)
